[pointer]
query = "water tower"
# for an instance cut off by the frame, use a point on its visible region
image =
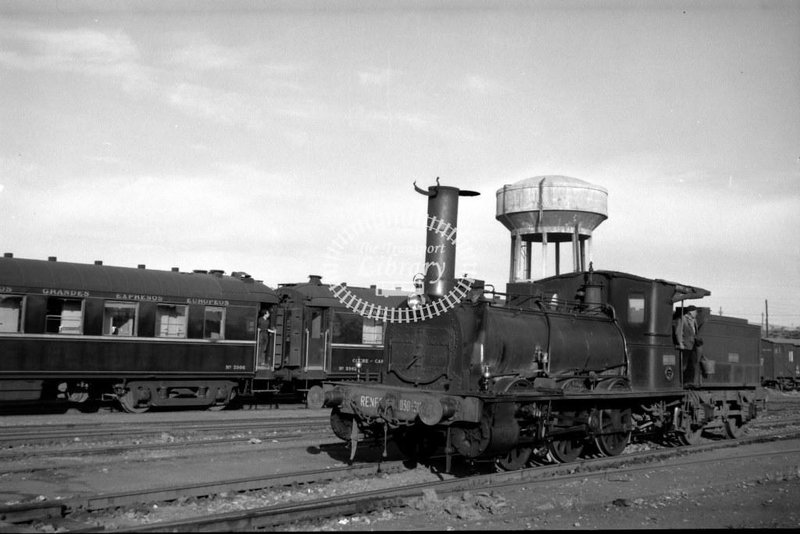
(550, 209)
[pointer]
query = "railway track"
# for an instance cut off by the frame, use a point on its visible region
(31, 434)
(15, 436)
(21, 439)
(186, 439)
(117, 450)
(79, 514)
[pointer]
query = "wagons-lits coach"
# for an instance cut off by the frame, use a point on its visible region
(80, 332)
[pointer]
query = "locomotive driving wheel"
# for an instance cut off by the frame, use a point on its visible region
(612, 441)
(614, 424)
(568, 448)
(515, 459)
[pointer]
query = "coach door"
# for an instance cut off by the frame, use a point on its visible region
(317, 337)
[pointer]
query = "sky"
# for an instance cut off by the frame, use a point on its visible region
(284, 138)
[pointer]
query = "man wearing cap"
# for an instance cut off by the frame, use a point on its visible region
(687, 341)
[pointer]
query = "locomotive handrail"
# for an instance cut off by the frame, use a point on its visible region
(621, 333)
(274, 351)
(308, 340)
(559, 305)
(613, 367)
(325, 351)
(576, 372)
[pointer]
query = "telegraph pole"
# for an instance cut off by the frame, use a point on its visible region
(766, 315)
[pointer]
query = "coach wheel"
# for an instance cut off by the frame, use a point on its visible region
(222, 406)
(733, 427)
(516, 458)
(130, 404)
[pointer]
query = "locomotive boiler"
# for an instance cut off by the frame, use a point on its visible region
(550, 368)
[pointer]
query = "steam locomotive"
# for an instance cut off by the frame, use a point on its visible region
(550, 369)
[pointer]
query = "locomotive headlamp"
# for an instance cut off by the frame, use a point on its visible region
(358, 364)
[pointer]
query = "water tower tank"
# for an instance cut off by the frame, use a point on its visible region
(550, 209)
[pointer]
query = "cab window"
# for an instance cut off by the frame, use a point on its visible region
(636, 308)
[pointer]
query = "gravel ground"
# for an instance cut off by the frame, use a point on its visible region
(714, 492)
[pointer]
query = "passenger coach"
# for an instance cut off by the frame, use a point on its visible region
(314, 337)
(148, 338)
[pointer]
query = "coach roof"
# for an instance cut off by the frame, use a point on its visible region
(25, 274)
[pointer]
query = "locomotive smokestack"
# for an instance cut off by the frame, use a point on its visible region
(440, 249)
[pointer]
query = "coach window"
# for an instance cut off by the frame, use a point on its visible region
(347, 328)
(635, 308)
(119, 319)
(10, 314)
(170, 321)
(240, 322)
(373, 332)
(64, 316)
(212, 325)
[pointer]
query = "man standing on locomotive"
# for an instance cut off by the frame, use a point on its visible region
(687, 341)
